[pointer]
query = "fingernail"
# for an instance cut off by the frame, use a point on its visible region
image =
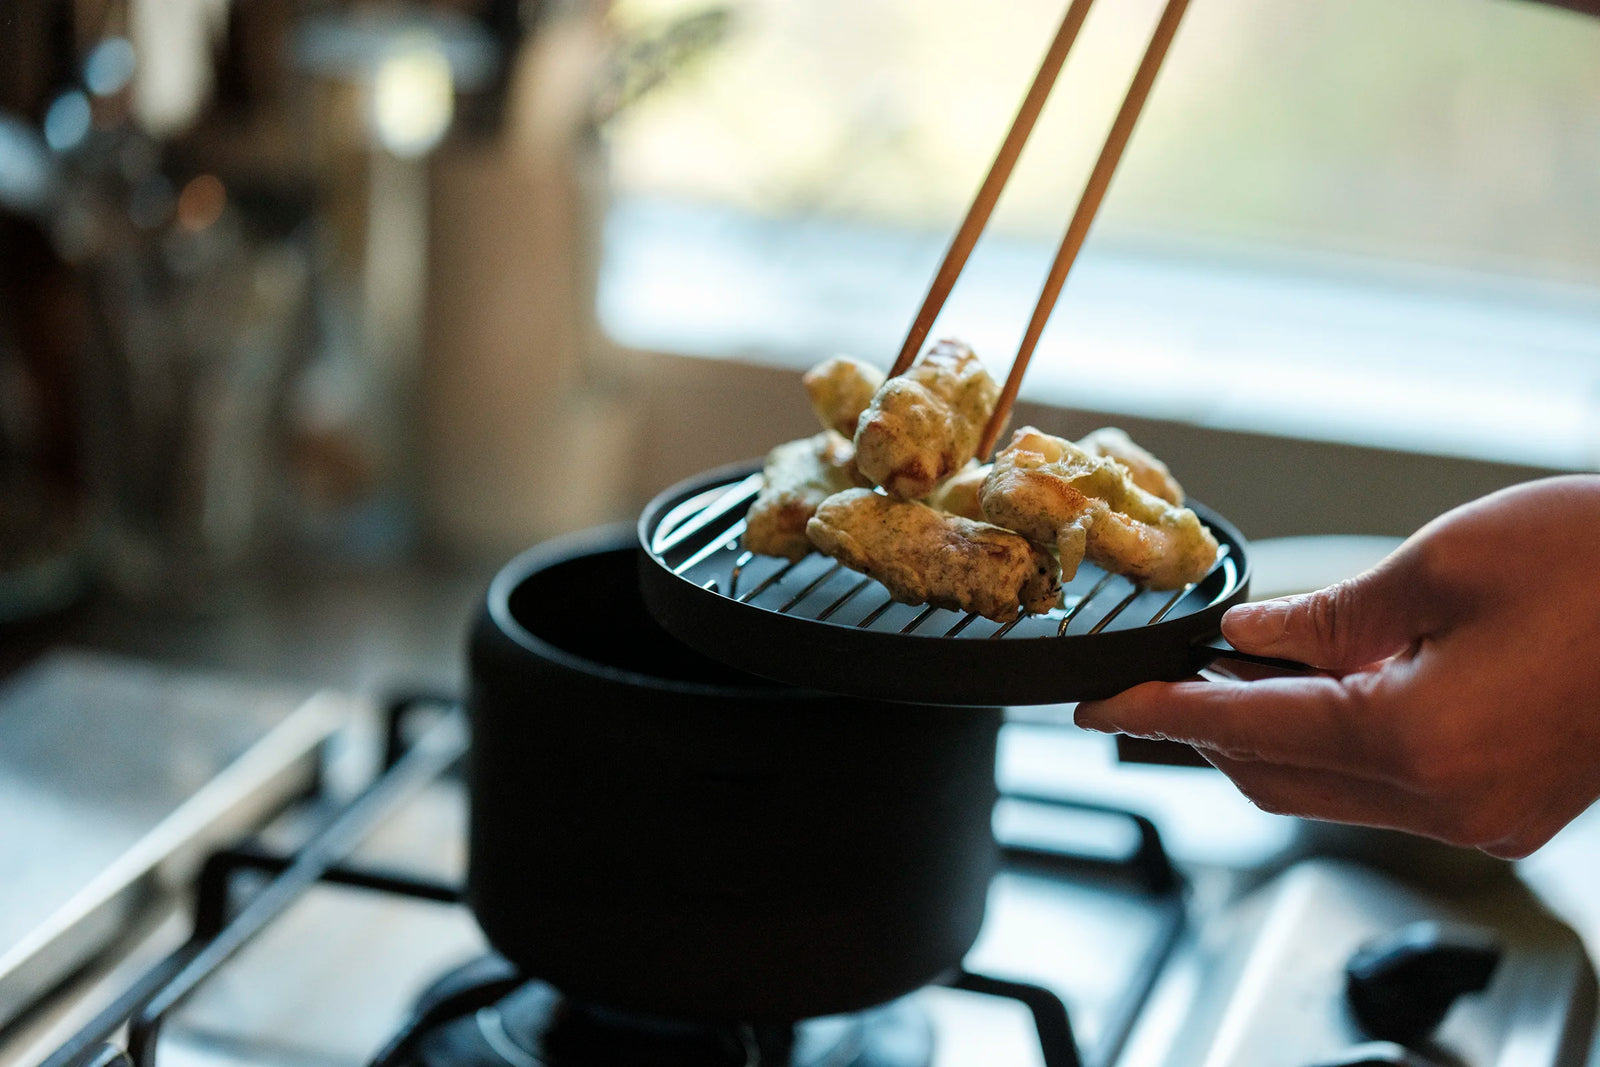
(1257, 624)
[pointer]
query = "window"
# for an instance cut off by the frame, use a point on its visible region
(1374, 221)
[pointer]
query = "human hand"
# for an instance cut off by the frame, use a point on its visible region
(1588, 7)
(1461, 693)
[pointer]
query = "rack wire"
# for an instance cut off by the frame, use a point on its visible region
(699, 541)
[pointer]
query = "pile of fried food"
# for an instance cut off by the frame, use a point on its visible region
(892, 488)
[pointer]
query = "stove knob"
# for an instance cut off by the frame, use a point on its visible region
(1400, 986)
(1376, 1054)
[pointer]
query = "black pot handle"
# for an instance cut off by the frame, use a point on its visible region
(1217, 647)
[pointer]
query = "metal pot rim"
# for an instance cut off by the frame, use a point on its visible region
(593, 542)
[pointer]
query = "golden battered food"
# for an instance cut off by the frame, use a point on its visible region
(1049, 489)
(1149, 473)
(974, 544)
(1033, 488)
(799, 476)
(958, 494)
(923, 556)
(1165, 553)
(924, 425)
(840, 389)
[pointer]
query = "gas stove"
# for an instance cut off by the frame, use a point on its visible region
(337, 935)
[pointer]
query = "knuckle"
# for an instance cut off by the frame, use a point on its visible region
(1324, 612)
(1483, 826)
(1230, 745)
(1374, 732)
(1268, 802)
(1357, 702)
(1431, 759)
(1432, 558)
(1516, 848)
(1329, 617)
(1333, 611)
(1523, 842)
(1434, 772)
(1432, 566)
(1267, 797)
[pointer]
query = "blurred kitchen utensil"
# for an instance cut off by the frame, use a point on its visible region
(42, 565)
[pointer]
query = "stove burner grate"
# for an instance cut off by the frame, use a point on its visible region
(486, 1015)
(532, 1025)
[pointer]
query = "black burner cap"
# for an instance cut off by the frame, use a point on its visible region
(534, 1025)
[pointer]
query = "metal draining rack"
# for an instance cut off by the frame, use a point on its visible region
(700, 540)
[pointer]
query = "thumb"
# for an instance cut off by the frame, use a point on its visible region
(1343, 627)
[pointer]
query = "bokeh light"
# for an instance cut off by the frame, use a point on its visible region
(413, 99)
(67, 122)
(202, 202)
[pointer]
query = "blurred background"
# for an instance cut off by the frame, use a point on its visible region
(307, 295)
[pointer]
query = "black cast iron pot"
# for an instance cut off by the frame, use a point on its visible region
(656, 832)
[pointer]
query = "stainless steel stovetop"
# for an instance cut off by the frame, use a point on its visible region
(1240, 961)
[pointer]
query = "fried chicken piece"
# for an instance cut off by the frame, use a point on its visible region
(799, 476)
(924, 425)
(1031, 488)
(840, 389)
(1048, 489)
(958, 494)
(923, 556)
(1149, 473)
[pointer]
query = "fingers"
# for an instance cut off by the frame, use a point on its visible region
(1343, 627)
(1230, 669)
(1532, 824)
(1316, 722)
(1330, 796)
(1324, 748)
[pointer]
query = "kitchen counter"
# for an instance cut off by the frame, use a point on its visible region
(361, 628)
(297, 628)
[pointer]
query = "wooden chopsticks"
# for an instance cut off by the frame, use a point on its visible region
(977, 218)
(1093, 193)
(1082, 218)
